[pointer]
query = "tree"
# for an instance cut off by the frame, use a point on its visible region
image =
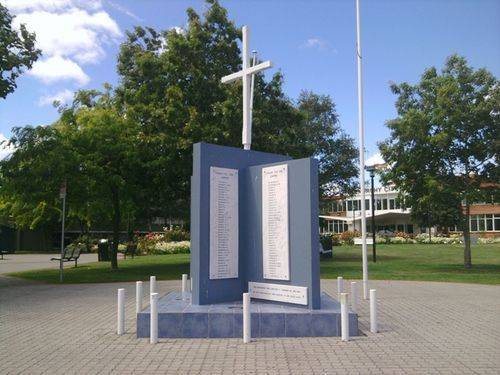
(170, 85)
(17, 51)
(95, 149)
(445, 142)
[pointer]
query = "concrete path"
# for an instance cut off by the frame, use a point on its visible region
(25, 262)
(426, 328)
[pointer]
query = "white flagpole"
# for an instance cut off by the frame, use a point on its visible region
(361, 130)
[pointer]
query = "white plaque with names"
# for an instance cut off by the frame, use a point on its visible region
(223, 223)
(278, 292)
(275, 250)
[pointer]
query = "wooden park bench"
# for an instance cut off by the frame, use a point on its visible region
(70, 255)
(130, 250)
(2, 253)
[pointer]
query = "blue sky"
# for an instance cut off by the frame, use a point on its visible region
(311, 42)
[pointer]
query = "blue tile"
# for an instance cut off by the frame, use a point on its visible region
(298, 325)
(325, 325)
(238, 324)
(195, 325)
(142, 325)
(272, 325)
(170, 325)
(220, 325)
(353, 324)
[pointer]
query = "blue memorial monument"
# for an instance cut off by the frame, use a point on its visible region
(254, 228)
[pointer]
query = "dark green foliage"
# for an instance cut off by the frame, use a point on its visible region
(17, 52)
(445, 142)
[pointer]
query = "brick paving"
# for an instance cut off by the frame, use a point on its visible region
(426, 328)
(25, 262)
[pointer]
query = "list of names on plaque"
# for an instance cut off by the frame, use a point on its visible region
(223, 223)
(275, 250)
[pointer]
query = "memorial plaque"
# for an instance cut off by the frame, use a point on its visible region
(278, 292)
(275, 249)
(223, 223)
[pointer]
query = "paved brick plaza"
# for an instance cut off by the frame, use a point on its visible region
(426, 328)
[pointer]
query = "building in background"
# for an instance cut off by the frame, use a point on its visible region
(340, 214)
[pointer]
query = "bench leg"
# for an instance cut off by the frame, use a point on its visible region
(76, 263)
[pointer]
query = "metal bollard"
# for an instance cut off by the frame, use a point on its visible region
(340, 285)
(138, 296)
(120, 328)
(152, 284)
(184, 283)
(354, 296)
(373, 311)
(246, 319)
(153, 323)
(344, 316)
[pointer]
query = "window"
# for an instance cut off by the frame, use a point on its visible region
(489, 222)
(480, 225)
(409, 228)
(367, 204)
(349, 205)
(497, 222)
(384, 204)
(392, 204)
(401, 228)
(397, 204)
(473, 223)
(379, 204)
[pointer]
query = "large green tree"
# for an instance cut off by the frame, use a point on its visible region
(17, 52)
(445, 143)
(170, 85)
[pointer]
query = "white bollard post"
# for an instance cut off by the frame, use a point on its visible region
(120, 328)
(153, 322)
(138, 296)
(344, 316)
(354, 296)
(246, 318)
(191, 284)
(184, 283)
(373, 311)
(152, 284)
(340, 285)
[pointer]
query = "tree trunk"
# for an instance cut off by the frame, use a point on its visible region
(116, 229)
(467, 251)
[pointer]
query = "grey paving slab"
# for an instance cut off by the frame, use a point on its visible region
(25, 262)
(426, 328)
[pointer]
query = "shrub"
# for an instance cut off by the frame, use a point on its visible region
(174, 247)
(347, 237)
(488, 240)
(176, 235)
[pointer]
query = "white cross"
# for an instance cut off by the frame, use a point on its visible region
(245, 74)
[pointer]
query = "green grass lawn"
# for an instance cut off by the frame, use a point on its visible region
(394, 262)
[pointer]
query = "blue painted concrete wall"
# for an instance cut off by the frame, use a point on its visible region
(303, 224)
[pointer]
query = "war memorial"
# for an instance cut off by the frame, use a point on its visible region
(254, 229)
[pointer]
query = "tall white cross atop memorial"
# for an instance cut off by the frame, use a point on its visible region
(246, 74)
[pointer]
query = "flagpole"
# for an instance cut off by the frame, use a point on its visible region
(361, 131)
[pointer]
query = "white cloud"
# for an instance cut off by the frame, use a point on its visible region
(4, 149)
(62, 97)
(375, 160)
(124, 10)
(70, 33)
(58, 68)
(317, 43)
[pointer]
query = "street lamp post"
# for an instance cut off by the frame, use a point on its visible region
(371, 169)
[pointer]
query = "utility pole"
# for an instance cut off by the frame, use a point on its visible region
(62, 195)
(361, 131)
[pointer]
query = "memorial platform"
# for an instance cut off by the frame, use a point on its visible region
(178, 318)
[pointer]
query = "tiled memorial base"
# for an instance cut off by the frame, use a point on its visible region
(178, 318)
